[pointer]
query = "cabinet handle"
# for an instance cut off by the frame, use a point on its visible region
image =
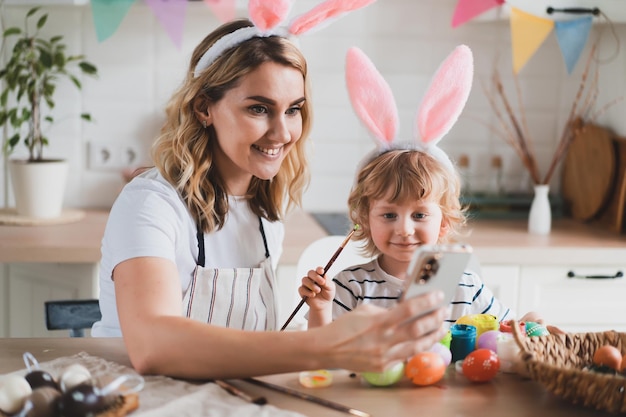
(572, 274)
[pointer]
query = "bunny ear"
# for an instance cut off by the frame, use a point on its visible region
(323, 12)
(446, 95)
(371, 96)
(266, 14)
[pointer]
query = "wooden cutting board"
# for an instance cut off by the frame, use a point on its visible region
(589, 169)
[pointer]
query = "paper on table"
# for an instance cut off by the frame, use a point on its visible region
(164, 396)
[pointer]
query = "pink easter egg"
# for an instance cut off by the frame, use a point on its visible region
(487, 340)
(442, 351)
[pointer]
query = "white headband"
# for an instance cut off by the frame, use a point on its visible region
(231, 40)
(266, 15)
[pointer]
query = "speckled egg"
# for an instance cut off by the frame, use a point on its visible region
(425, 368)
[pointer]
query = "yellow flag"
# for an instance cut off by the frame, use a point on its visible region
(528, 32)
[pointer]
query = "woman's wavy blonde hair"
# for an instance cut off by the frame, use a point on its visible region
(184, 151)
(404, 176)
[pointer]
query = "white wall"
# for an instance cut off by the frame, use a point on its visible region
(407, 39)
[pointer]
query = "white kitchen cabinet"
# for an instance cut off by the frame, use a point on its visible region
(503, 281)
(575, 304)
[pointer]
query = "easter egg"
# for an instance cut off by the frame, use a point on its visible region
(386, 378)
(425, 368)
(43, 402)
(608, 356)
(319, 378)
(488, 340)
(443, 351)
(535, 329)
(481, 365)
(82, 400)
(75, 374)
(14, 390)
(39, 378)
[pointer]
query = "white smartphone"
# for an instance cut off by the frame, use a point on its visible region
(436, 267)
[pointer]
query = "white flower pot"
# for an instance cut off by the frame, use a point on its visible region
(39, 187)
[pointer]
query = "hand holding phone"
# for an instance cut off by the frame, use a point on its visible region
(436, 267)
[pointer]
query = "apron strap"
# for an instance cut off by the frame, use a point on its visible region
(267, 251)
(200, 238)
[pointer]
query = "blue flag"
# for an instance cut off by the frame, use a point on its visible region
(572, 36)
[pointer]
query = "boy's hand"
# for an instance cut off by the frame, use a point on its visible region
(319, 290)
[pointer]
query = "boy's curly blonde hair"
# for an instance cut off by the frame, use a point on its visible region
(405, 175)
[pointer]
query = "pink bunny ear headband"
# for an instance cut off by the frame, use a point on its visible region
(374, 103)
(266, 15)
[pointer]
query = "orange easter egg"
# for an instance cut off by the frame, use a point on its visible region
(425, 368)
(608, 356)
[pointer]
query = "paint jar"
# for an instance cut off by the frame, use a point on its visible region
(482, 322)
(463, 340)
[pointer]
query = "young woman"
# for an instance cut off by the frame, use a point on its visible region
(190, 248)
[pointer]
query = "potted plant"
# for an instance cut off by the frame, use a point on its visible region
(34, 67)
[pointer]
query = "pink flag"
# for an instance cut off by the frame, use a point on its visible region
(224, 10)
(171, 15)
(468, 9)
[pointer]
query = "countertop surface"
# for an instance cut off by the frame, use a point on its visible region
(502, 241)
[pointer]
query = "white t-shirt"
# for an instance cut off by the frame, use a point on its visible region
(149, 218)
(369, 284)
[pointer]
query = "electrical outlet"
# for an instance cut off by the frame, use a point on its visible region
(113, 156)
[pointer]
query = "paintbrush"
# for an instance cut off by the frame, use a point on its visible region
(308, 397)
(326, 268)
(239, 393)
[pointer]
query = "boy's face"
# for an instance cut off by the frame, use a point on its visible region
(398, 229)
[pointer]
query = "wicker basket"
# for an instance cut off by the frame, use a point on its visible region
(558, 362)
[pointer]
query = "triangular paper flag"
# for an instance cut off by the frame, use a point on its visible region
(468, 9)
(572, 36)
(107, 16)
(224, 10)
(171, 15)
(528, 32)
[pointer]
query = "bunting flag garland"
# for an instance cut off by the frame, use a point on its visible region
(171, 15)
(572, 36)
(224, 10)
(468, 9)
(529, 32)
(108, 14)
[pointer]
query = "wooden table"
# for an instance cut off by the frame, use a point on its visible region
(506, 395)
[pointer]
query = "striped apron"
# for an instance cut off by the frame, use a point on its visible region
(239, 298)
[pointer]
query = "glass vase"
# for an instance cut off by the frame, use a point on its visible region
(540, 216)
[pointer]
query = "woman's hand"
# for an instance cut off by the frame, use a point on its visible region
(371, 338)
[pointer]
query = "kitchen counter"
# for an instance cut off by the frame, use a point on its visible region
(506, 241)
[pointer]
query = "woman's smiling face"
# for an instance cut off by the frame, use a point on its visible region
(257, 123)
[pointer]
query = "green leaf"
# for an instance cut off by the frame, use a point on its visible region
(45, 58)
(86, 116)
(32, 11)
(13, 140)
(3, 98)
(88, 68)
(49, 119)
(42, 21)
(11, 31)
(56, 39)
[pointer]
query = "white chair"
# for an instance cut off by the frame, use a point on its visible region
(318, 253)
